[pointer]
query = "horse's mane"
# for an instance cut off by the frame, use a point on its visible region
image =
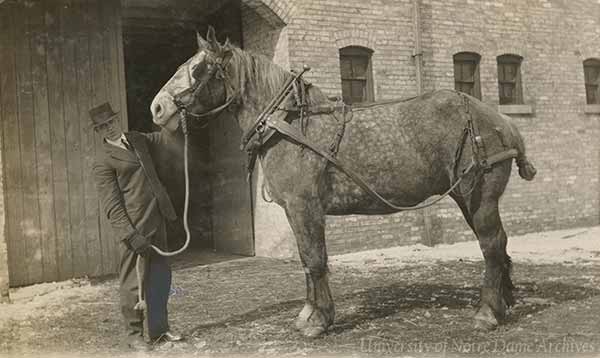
(264, 78)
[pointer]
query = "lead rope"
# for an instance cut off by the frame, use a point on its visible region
(141, 304)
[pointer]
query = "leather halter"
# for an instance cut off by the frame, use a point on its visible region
(218, 71)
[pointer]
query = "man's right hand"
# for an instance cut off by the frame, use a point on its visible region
(139, 243)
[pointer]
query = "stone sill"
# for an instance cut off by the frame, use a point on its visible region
(515, 109)
(592, 109)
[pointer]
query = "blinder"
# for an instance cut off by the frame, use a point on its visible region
(215, 69)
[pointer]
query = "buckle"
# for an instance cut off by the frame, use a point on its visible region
(260, 128)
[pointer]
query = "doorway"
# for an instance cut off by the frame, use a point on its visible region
(157, 38)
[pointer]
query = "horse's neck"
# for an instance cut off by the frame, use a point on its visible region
(258, 82)
(247, 117)
(255, 101)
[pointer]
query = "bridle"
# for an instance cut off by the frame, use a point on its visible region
(215, 71)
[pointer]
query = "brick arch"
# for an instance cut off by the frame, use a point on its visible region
(472, 48)
(460, 44)
(590, 56)
(277, 13)
(362, 38)
(521, 52)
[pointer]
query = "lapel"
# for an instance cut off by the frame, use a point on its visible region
(138, 142)
(119, 153)
(141, 154)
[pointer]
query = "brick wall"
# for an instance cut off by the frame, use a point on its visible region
(553, 37)
(320, 28)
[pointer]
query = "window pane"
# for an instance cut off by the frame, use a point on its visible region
(359, 67)
(507, 93)
(466, 88)
(468, 71)
(347, 91)
(501, 77)
(346, 67)
(592, 74)
(591, 92)
(509, 79)
(457, 71)
(355, 69)
(510, 73)
(359, 93)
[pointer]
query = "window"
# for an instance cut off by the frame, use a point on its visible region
(357, 77)
(591, 70)
(509, 79)
(466, 73)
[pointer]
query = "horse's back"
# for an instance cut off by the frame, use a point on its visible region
(403, 149)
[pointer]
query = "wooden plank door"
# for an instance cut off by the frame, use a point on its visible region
(57, 60)
(231, 209)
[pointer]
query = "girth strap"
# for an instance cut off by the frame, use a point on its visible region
(292, 133)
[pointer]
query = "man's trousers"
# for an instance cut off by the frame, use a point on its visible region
(157, 284)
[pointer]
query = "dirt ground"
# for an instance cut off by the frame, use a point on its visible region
(406, 301)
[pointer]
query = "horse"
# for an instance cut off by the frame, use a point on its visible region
(406, 151)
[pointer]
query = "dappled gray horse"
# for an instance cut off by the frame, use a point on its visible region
(405, 151)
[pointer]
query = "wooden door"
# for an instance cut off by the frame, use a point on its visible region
(231, 204)
(57, 60)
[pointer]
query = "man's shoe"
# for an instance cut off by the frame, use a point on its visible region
(138, 344)
(169, 336)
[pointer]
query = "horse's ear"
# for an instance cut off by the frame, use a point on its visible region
(227, 45)
(227, 51)
(212, 39)
(202, 43)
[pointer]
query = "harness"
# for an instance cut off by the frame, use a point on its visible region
(218, 71)
(272, 120)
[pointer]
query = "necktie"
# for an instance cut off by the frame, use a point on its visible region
(127, 145)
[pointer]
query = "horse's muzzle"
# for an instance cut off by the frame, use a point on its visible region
(163, 109)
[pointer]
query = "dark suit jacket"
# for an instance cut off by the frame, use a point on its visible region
(132, 196)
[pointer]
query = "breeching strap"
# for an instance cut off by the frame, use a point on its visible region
(292, 133)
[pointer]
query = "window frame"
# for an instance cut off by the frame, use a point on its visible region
(592, 63)
(502, 62)
(358, 53)
(463, 58)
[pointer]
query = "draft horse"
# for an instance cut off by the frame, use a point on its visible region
(406, 151)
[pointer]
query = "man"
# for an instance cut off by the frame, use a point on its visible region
(137, 206)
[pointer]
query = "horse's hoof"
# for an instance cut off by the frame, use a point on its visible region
(300, 324)
(313, 331)
(485, 325)
(485, 319)
(303, 317)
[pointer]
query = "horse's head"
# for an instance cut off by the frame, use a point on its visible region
(200, 86)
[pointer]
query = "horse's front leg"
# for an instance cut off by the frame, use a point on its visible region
(307, 220)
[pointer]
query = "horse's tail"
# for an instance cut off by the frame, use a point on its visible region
(526, 169)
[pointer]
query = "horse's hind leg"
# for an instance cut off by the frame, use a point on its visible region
(496, 291)
(307, 220)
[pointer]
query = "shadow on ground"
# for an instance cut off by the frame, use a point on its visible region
(393, 300)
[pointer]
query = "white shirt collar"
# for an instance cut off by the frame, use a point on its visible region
(118, 142)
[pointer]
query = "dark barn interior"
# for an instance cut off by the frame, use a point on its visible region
(158, 36)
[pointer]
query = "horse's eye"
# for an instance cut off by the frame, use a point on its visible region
(196, 71)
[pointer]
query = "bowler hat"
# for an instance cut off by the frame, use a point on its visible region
(101, 114)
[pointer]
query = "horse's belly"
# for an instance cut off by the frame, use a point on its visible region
(400, 187)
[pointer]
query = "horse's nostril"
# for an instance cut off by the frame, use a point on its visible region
(158, 109)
